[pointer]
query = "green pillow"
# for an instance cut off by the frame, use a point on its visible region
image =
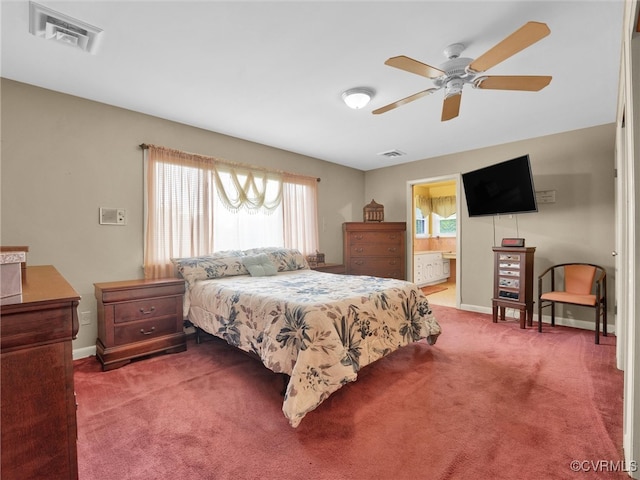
(259, 265)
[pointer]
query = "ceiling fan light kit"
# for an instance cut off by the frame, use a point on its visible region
(357, 98)
(457, 71)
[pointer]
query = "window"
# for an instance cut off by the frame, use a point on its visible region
(195, 205)
(443, 226)
(243, 228)
(421, 225)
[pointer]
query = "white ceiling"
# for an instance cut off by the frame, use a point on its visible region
(273, 72)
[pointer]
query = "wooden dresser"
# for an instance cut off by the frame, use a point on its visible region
(375, 248)
(137, 318)
(38, 404)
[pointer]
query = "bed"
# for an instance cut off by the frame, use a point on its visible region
(317, 328)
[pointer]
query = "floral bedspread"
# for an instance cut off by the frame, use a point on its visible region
(318, 328)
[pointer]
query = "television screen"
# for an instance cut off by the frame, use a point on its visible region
(503, 188)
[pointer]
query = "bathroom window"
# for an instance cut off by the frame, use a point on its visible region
(443, 226)
(421, 225)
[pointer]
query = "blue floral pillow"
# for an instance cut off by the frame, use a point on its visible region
(216, 265)
(284, 259)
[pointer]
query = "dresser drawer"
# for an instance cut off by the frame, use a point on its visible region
(378, 267)
(378, 250)
(382, 238)
(144, 309)
(144, 330)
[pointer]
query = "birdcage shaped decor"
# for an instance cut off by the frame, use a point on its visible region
(373, 212)
(316, 259)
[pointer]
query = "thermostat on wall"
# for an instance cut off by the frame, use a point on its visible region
(113, 216)
(513, 242)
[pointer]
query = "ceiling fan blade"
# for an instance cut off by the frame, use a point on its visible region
(529, 83)
(522, 38)
(410, 65)
(405, 100)
(451, 107)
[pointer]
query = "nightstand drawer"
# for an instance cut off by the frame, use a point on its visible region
(144, 330)
(144, 309)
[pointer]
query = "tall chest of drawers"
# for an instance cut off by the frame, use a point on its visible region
(375, 248)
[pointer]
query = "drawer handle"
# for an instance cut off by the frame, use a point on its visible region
(392, 249)
(147, 312)
(359, 262)
(359, 249)
(149, 332)
(358, 237)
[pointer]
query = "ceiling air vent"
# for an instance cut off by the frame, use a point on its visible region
(55, 26)
(392, 154)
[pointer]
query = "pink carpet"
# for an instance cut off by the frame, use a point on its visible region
(488, 401)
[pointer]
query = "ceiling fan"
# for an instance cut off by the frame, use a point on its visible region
(453, 74)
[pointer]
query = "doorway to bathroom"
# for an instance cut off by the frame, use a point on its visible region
(434, 232)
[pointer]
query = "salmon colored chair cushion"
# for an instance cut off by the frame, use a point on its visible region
(578, 282)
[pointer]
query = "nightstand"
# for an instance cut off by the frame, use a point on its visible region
(330, 268)
(137, 318)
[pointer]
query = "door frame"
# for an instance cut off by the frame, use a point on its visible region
(457, 177)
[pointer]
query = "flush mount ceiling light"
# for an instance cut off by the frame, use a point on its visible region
(357, 98)
(58, 27)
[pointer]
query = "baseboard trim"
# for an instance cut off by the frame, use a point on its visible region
(565, 322)
(84, 352)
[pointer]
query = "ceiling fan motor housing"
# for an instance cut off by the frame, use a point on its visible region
(453, 87)
(455, 69)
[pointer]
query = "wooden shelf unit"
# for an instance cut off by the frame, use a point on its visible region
(513, 282)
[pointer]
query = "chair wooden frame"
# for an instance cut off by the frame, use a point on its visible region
(599, 285)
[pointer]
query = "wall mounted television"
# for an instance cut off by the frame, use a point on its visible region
(503, 188)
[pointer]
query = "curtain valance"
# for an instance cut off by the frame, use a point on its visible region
(238, 185)
(443, 206)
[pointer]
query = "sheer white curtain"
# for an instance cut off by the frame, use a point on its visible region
(195, 205)
(300, 200)
(179, 209)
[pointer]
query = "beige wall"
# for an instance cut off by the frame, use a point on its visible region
(64, 157)
(579, 226)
